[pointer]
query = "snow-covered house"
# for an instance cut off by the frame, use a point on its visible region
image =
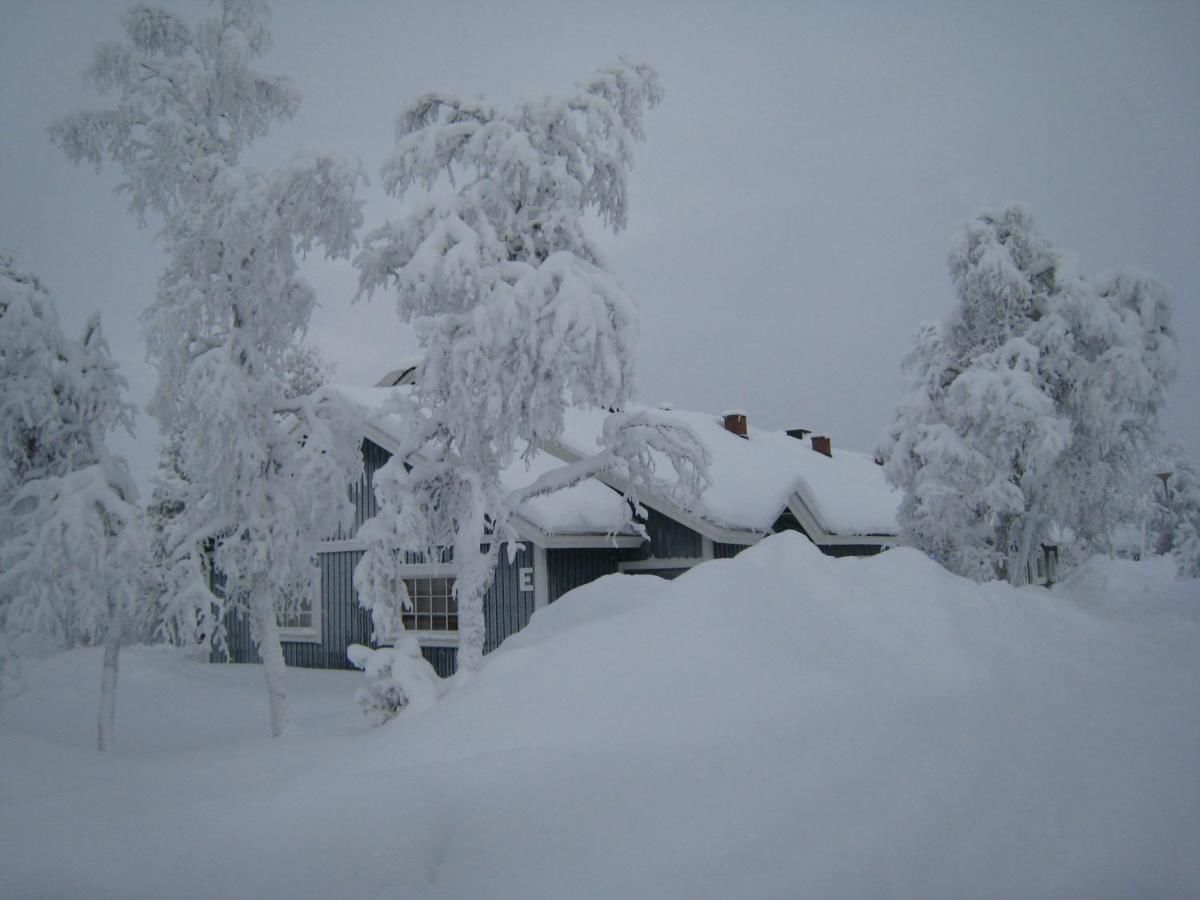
(761, 482)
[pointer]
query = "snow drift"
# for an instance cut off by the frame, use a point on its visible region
(779, 724)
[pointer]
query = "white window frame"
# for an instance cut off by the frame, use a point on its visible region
(310, 634)
(426, 638)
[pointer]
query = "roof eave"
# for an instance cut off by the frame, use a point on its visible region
(528, 531)
(705, 527)
(799, 508)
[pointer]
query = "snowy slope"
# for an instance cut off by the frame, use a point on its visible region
(779, 724)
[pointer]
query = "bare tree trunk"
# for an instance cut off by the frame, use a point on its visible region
(270, 650)
(108, 679)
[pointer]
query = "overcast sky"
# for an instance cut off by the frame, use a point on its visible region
(791, 206)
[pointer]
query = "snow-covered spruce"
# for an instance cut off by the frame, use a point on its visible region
(1032, 406)
(516, 314)
(261, 472)
(71, 542)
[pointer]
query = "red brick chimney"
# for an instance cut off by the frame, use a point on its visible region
(735, 422)
(820, 443)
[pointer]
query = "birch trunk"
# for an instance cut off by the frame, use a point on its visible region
(108, 680)
(1019, 571)
(270, 650)
(475, 571)
(475, 568)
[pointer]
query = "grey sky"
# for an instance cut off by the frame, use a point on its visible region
(792, 204)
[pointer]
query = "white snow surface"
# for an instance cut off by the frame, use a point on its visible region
(781, 724)
(752, 478)
(585, 508)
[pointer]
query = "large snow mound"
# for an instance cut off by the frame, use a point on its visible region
(779, 724)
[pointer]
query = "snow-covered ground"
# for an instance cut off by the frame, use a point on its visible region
(778, 725)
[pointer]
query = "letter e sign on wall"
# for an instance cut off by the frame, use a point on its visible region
(525, 579)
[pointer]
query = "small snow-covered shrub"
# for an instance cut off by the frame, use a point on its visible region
(398, 678)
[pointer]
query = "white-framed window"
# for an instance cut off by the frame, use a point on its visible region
(434, 608)
(302, 623)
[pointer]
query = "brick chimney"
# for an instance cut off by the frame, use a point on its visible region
(735, 422)
(820, 443)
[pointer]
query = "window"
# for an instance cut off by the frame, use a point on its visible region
(302, 622)
(433, 605)
(298, 619)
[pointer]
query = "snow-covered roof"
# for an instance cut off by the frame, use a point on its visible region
(755, 479)
(587, 508)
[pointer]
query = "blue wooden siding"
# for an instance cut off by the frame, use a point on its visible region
(443, 659)
(344, 622)
(568, 569)
(727, 551)
(507, 608)
(362, 492)
(669, 574)
(669, 539)
(851, 549)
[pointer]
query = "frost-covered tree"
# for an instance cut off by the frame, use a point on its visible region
(34, 439)
(262, 471)
(305, 373)
(71, 549)
(33, 442)
(1173, 494)
(516, 313)
(1032, 406)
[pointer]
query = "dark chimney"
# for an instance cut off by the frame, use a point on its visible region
(735, 422)
(820, 443)
(799, 433)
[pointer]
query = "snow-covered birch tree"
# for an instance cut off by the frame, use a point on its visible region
(71, 549)
(263, 474)
(515, 310)
(1031, 406)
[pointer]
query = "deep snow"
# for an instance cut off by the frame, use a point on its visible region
(780, 724)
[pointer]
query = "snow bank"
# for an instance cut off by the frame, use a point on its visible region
(779, 724)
